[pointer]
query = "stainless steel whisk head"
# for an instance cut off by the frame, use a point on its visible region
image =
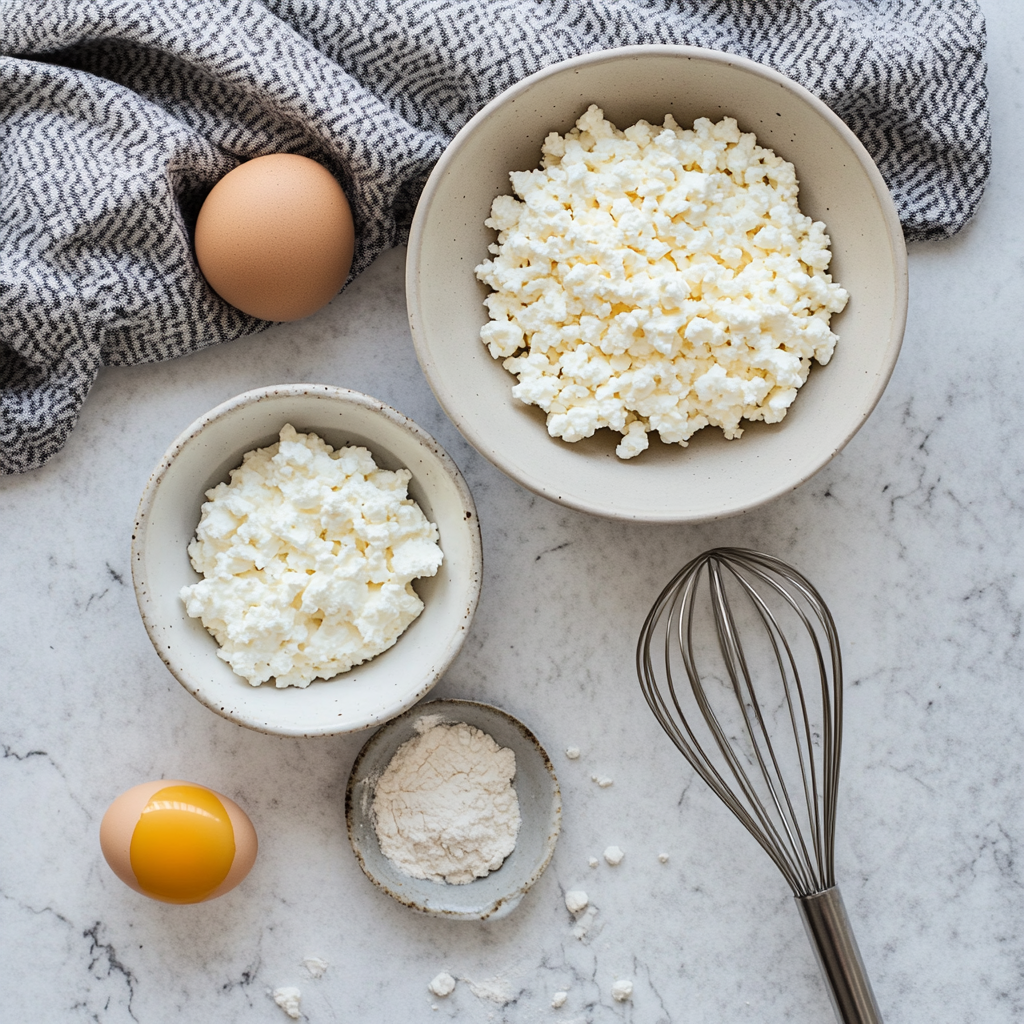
(796, 829)
(759, 717)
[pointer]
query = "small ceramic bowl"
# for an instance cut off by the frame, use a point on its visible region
(540, 807)
(168, 514)
(713, 477)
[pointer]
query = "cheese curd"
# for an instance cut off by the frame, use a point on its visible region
(657, 279)
(308, 556)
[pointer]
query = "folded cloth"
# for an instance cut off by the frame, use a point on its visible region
(118, 116)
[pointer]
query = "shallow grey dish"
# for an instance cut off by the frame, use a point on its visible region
(540, 806)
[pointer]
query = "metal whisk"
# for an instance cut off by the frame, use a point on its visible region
(759, 717)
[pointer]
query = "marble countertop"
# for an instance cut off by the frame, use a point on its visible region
(912, 534)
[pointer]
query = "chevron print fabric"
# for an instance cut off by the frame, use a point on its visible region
(118, 116)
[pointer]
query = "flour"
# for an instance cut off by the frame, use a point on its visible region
(316, 966)
(442, 985)
(445, 808)
(584, 923)
(289, 999)
(425, 723)
(496, 990)
(622, 990)
(576, 901)
(613, 855)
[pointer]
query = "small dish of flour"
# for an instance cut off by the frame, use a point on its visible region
(453, 809)
(445, 807)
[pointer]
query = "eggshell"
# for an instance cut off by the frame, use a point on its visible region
(118, 826)
(275, 237)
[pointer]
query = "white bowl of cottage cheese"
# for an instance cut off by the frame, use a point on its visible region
(657, 283)
(307, 560)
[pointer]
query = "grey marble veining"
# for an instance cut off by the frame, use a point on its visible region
(914, 535)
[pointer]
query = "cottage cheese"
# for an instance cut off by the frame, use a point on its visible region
(308, 557)
(657, 279)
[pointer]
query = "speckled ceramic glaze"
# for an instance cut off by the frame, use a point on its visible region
(540, 808)
(201, 457)
(713, 477)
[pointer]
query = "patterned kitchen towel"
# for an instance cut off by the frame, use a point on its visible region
(118, 116)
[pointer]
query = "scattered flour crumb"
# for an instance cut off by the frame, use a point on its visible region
(288, 999)
(572, 753)
(602, 780)
(584, 922)
(592, 861)
(316, 966)
(576, 900)
(613, 855)
(558, 1000)
(622, 990)
(663, 857)
(443, 985)
(497, 990)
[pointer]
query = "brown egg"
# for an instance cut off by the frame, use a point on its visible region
(177, 842)
(275, 237)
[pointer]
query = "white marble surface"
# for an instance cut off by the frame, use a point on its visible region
(914, 534)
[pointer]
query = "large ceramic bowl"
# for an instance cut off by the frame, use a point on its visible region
(202, 457)
(540, 809)
(713, 477)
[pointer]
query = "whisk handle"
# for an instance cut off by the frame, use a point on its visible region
(828, 928)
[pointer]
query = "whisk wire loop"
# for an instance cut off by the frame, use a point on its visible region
(740, 757)
(676, 724)
(807, 763)
(749, 701)
(783, 846)
(750, 814)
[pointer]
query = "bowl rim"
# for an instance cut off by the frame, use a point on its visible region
(503, 905)
(347, 396)
(536, 482)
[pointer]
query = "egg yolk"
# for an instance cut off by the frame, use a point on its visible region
(183, 845)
